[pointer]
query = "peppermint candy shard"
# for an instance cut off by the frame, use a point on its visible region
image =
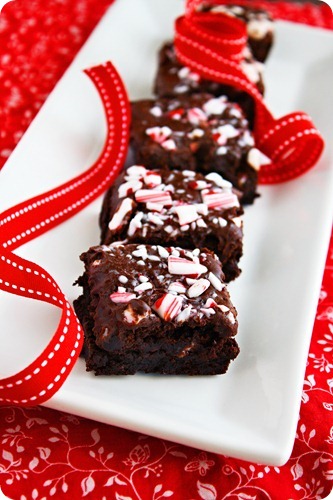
(217, 284)
(126, 206)
(159, 134)
(129, 187)
(176, 114)
(168, 306)
(177, 265)
(198, 288)
(186, 214)
(177, 287)
(169, 145)
(135, 224)
(218, 180)
(210, 303)
(122, 297)
(198, 185)
(153, 196)
(152, 179)
(196, 116)
(136, 171)
(218, 199)
(184, 314)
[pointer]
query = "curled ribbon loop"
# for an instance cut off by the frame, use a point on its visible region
(41, 379)
(211, 45)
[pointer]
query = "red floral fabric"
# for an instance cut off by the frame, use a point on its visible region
(44, 453)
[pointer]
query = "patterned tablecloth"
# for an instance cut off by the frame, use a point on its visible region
(45, 453)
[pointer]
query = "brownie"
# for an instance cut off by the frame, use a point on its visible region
(180, 208)
(156, 310)
(259, 25)
(198, 132)
(173, 80)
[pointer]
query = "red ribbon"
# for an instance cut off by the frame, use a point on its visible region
(42, 378)
(212, 45)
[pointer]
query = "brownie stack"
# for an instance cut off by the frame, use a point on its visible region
(154, 291)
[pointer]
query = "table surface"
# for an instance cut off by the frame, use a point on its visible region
(44, 452)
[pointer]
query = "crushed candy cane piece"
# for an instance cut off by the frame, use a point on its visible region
(217, 284)
(155, 219)
(184, 315)
(152, 179)
(123, 279)
(177, 287)
(186, 214)
(126, 206)
(195, 133)
(218, 180)
(168, 306)
(219, 199)
(169, 145)
(122, 297)
(198, 288)
(254, 158)
(198, 185)
(156, 111)
(176, 114)
(162, 252)
(136, 171)
(210, 303)
(135, 224)
(215, 106)
(177, 265)
(153, 196)
(159, 134)
(196, 116)
(129, 187)
(143, 287)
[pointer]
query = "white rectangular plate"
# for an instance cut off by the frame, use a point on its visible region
(251, 412)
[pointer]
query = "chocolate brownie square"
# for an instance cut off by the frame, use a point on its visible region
(156, 310)
(180, 208)
(174, 80)
(198, 132)
(259, 25)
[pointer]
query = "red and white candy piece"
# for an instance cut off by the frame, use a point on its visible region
(210, 303)
(215, 106)
(219, 199)
(152, 179)
(215, 282)
(198, 185)
(169, 145)
(135, 224)
(128, 188)
(177, 287)
(219, 138)
(176, 114)
(196, 116)
(184, 315)
(154, 207)
(198, 288)
(185, 72)
(195, 133)
(218, 180)
(159, 134)
(254, 158)
(122, 297)
(136, 171)
(177, 265)
(186, 214)
(168, 306)
(125, 207)
(156, 111)
(153, 196)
